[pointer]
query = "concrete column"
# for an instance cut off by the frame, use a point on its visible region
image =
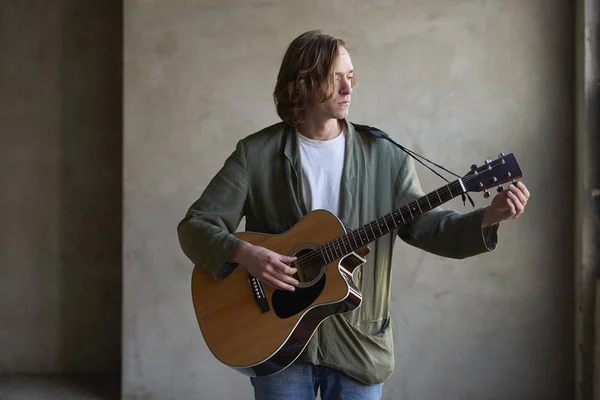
(587, 236)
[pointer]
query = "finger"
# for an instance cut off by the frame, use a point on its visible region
(280, 276)
(510, 206)
(520, 195)
(276, 283)
(284, 278)
(283, 267)
(519, 202)
(512, 202)
(523, 188)
(287, 259)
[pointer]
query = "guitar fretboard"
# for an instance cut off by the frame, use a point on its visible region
(381, 226)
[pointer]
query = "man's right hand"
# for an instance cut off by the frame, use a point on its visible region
(271, 268)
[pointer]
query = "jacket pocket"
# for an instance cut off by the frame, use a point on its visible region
(375, 327)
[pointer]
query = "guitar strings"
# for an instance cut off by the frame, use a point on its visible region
(331, 246)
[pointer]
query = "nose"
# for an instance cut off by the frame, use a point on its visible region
(346, 86)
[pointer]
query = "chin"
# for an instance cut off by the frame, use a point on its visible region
(341, 115)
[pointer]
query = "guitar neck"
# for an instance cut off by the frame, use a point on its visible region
(383, 225)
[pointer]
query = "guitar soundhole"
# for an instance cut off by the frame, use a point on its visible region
(309, 267)
(287, 304)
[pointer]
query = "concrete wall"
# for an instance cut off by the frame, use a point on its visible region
(457, 81)
(587, 195)
(60, 186)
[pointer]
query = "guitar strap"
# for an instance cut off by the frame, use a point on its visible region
(378, 133)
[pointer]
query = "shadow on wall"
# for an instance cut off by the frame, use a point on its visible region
(90, 215)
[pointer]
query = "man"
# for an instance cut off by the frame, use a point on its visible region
(316, 159)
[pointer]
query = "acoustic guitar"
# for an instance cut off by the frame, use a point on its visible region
(258, 330)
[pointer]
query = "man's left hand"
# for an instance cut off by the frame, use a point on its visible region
(508, 204)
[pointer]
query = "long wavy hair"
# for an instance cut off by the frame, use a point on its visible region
(307, 68)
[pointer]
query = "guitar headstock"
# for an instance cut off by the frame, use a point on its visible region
(493, 173)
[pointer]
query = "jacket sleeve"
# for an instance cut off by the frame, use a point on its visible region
(206, 232)
(445, 233)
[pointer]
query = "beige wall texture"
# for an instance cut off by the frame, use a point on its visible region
(60, 186)
(458, 81)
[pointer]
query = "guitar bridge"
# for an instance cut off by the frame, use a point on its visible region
(259, 294)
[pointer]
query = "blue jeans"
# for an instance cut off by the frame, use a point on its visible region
(301, 381)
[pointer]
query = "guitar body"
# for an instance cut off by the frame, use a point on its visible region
(258, 330)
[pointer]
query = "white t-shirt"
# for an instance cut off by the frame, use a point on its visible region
(322, 164)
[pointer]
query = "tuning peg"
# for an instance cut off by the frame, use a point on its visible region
(488, 161)
(500, 188)
(473, 167)
(500, 155)
(486, 194)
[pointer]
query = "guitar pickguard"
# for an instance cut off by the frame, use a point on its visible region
(287, 304)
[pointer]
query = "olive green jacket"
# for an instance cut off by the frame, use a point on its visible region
(261, 180)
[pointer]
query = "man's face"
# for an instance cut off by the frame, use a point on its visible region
(336, 107)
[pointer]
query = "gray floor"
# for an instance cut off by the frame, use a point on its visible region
(49, 387)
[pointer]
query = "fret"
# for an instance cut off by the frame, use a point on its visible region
(336, 248)
(430, 206)
(401, 216)
(361, 239)
(333, 250)
(386, 225)
(323, 255)
(409, 212)
(371, 226)
(330, 253)
(347, 239)
(418, 205)
(345, 251)
(441, 201)
(355, 243)
(379, 226)
(345, 245)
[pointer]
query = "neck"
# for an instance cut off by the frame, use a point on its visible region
(320, 129)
